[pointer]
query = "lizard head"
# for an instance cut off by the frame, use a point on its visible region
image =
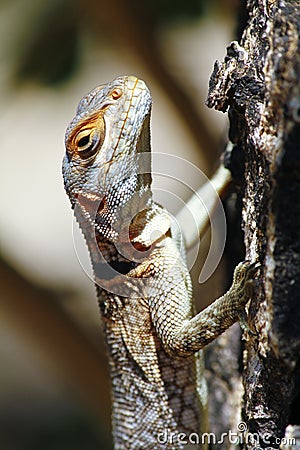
(103, 143)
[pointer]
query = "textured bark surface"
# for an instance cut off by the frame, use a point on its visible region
(224, 386)
(258, 84)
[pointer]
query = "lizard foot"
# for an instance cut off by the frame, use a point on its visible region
(243, 321)
(243, 284)
(243, 281)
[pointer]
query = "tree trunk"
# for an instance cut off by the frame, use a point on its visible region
(259, 84)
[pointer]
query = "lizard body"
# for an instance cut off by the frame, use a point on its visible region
(144, 289)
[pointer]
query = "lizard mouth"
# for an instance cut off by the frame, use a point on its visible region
(91, 203)
(95, 209)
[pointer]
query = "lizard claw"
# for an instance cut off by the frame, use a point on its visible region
(243, 321)
(250, 276)
(253, 269)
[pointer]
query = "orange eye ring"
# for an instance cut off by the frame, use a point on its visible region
(87, 138)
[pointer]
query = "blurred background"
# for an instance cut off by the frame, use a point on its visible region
(54, 386)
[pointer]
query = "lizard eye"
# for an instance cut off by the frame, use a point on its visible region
(86, 142)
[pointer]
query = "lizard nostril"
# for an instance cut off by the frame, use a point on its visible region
(116, 93)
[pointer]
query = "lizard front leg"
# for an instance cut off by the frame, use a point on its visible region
(220, 315)
(183, 333)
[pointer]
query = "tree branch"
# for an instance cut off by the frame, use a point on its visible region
(259, 83)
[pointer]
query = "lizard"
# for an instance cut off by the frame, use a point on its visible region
(152, 331)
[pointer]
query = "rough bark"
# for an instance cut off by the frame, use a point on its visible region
(224, 386)
(259, 84)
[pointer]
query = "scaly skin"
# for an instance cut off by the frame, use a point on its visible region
(144, 289)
